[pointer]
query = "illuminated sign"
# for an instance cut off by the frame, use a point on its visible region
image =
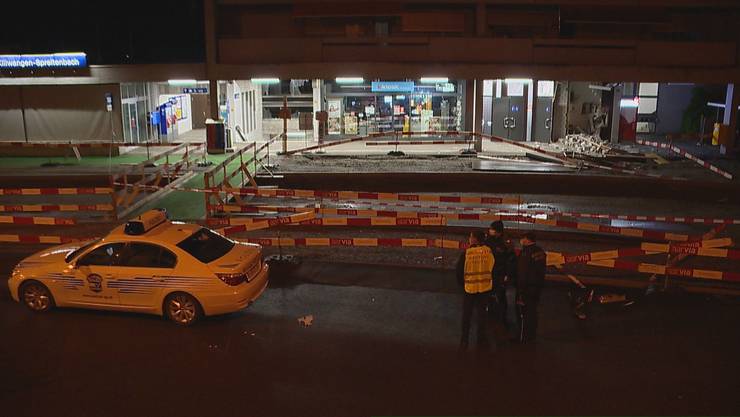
(392, 86)
(196, 90)
(65, 60)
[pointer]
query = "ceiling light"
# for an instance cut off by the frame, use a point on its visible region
(349, 80)
(265, 80)
(434, 80)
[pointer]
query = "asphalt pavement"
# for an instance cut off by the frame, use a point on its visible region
(376, 346)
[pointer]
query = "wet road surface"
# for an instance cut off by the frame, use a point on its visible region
(377, 346)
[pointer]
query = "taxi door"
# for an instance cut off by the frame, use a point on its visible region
(145, 269)
(98, 271)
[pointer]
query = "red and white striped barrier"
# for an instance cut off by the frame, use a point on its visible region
(630, 217)
(58, 240)
(598, 228)
(48, 221)
(35, 208)
(55, 191)
(675, 149)
(667, 270)
(356, 242)
(704, 247)
(253, 208)
(361, 195)
(248, 225)
(88, 144)
(307, 219)
(420, 142)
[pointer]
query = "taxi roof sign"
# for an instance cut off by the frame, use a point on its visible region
(146, 222)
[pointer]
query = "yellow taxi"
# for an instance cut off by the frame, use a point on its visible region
(149, 265)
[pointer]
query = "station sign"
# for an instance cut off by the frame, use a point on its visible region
(392, 86)
(41, 61)
(195, 90)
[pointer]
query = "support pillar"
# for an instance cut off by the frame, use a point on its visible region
(616, 108)
(531, 110)
(732, 101)
(318, 96)
(209, 12)
(478, 113)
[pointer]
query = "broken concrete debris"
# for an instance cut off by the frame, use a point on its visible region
(583, 144)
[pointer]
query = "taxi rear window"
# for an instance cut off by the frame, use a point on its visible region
(206, 245)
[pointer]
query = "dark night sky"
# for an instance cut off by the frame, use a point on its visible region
(133, 31)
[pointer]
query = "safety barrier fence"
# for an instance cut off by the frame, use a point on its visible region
(38, 220)
(83, 144)
(35, 202)
(257, 207)
(223, 175)
(421, 142)
(675, 149)
(131, 193)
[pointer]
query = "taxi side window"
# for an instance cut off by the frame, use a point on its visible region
(106, 255)
(145, 255)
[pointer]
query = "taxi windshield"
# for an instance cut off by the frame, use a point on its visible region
(206, 245)
(79, 250)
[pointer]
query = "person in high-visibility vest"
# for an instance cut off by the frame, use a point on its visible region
(475, 275)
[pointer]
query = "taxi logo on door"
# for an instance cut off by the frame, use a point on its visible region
(96, 282)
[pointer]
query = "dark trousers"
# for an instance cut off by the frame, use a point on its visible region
(499, 303)
(475, 302)
(528, 316)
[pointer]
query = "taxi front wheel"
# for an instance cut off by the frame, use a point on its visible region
(182, 308)
(36, 296)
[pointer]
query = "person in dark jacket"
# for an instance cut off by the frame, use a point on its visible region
(474, 275)
(531, 266)
(504, 270)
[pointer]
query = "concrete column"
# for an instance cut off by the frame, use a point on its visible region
(478, 113)
(616, 107)
(531, 110)
(318, 96)
(213, 99)
(732, 101)
(209, 14)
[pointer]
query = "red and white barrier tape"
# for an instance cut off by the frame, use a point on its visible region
(356, 242)
(702, 248)
(247, 225)
(675, 149)
(36, 220)
(55, 191)
(88, 144)
(42, 239)
(35, 208)
(667, 270)
(420, 142)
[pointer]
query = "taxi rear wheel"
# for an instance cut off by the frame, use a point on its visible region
(182, 308)
(36, 297)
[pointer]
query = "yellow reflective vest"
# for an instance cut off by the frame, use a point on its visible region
(478, 266)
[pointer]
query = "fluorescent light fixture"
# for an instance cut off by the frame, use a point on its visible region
(599, 87)
(629, 103)
(265, 80)
(349, 80)
(181, 82)
(434, 80)
(517, 80)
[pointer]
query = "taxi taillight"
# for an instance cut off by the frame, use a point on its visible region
(232, 279)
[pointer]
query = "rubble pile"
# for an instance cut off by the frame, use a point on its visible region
(583, 144)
